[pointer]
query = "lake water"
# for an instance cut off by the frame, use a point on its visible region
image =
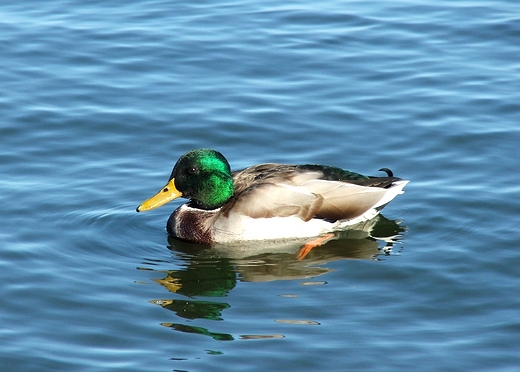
(98, 101)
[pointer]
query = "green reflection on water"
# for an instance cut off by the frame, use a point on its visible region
(194, 309)
(199, 330)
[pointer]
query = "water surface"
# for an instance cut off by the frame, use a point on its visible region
(100, 100)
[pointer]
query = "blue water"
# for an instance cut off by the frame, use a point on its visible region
(99, 100)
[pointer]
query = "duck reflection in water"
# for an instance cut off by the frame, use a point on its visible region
(213, 271)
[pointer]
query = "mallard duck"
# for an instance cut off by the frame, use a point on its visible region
(267, 201)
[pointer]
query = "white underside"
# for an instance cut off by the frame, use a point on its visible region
(247, 228)
(280, 227)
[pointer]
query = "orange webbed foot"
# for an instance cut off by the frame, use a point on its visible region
(305, 250)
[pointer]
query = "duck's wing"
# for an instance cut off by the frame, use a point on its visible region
(266, 200)
(277, 190)
(346, 200)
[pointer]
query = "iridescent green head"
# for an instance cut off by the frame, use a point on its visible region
(202, 175)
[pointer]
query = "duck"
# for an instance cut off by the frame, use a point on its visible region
(267, 201)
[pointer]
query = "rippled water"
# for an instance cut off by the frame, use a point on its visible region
(100, 100)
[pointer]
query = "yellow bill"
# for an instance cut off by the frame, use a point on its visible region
(168, 193)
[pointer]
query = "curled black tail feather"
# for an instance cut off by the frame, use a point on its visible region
(387, 171)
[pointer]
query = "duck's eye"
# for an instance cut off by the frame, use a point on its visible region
(192, 170)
